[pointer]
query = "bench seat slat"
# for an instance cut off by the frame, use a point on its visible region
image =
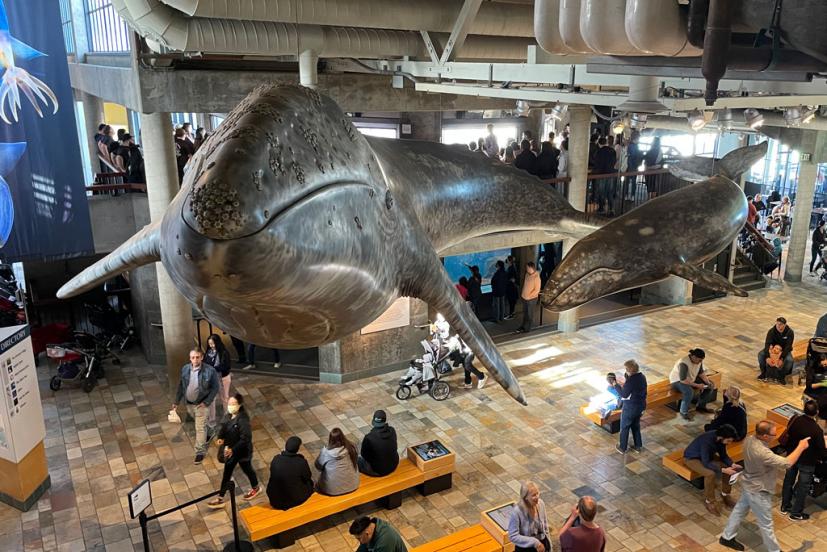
(474, 538)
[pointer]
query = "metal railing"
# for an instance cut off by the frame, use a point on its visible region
(107, 32)
(113, 183)
(67, 26)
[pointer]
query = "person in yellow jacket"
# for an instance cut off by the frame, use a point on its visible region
(529, 295)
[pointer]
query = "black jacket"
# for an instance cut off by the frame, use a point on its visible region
(547, 163)
(801, 427)
(291, 482)
(732, 414)
(474, 289)
(526, 161)
(635, 388)
(818, 237)
(237, 435)
(379, 449)
(499, 283)
(219, 361)
(604, 160)
(785, 339)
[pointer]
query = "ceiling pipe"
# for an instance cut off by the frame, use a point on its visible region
(309, 69)
(600, 28)
(643, 95)
(696, 22)
(547, 27)
(569, 26)
(166, 26)
(771, 119)
(496, 19)
(658, 27)
(716, 46)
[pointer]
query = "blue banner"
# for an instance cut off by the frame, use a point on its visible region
(43, 209)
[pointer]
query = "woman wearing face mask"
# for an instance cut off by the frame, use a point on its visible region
(235, 439)
(219, 358)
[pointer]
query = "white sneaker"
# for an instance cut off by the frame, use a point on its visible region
(277, 365)
(481, 382)
(249, 366)
(467, 386)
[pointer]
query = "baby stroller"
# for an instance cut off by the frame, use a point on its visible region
(80, 367)
(115, 326)
(423, 375)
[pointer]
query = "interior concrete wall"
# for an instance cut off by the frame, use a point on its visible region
(425, 125)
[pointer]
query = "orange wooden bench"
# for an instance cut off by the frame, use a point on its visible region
(800, 350)
(263, 521)
(474, 538)
(657, 394)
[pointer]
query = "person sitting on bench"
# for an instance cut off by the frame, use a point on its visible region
(291, 482)
(733, 413)
(700, 457)
(688, 377)
(337, 464)
(379, 456)
(816, 381)
(376, 535)
(780, 334)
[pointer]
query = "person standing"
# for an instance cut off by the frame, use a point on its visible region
(563, 160)
(688, 377)
(528, 524)
(819, 240)
(758, 485)
(784, 336)
(235, 440)
(251, 357)
(466, 356)
(587, 536)
(291, 482)
(379, 456)
(530, 293)
(632, 403)
(489, 146)
(526, 160)
(499, 287)
(199, 385)
(219, 358)
(799, 476)
(376, 535)
(475, 289)
(511, 290)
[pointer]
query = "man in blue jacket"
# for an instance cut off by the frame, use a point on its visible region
(707, 455)
(199, 386)
(633, 403)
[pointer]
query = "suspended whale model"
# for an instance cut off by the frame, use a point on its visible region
(293, 230)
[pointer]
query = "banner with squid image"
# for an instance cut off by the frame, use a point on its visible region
(43, 210)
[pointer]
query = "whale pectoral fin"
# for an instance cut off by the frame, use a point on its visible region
(739, 160)
(707, 279)
(431, 284)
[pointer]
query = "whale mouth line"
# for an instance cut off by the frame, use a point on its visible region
(582, 278)
(297, 202)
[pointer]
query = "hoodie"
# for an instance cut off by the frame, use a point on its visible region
(337, 475)
(291, 482)
(379, 450)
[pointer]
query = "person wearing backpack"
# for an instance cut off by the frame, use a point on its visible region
(799, 476)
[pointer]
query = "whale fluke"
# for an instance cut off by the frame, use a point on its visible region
(732, 165)
(141, 249)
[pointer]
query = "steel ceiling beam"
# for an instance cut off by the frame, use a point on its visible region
(465, 18)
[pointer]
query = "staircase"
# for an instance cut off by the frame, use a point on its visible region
(745, 274)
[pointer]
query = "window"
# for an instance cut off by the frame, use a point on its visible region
(179, 119)
(465, 134)
(216, 119)
(66, 24)
(778, 170)
(107, 32)
(381, 130)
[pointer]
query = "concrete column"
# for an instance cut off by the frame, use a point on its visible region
(580, 125)
(672, 291)
(425, 125)
(308, 69)
(162, 185)
(92, 116)
(811, 143)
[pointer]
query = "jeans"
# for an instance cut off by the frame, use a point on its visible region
(246, 467)
(630, 420)
(204, 424)
(710, 477)
(814, 250)
(688, 392)
(761, 506)
(528, 314)
(545, 542)
(239, 349)
(468, 366)
(770, 372)
(794, 492)
(499, 306)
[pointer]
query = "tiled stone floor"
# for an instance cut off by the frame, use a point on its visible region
(99, 445)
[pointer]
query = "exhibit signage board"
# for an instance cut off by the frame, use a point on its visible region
(21, 414)
(398, 315)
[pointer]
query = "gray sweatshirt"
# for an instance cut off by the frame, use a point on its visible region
(338, 475)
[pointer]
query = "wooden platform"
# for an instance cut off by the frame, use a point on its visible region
(800, 350)
(674, 461)
(657, 394)
(263, 521)
(474, 538)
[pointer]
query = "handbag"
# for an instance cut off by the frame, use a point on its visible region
(221, 458)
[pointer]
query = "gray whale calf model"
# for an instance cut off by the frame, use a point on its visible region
(293, 230)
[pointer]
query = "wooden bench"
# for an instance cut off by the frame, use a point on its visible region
(263, 521)
(657, 394)
(800, 350)
(474, 538)
(674, 461)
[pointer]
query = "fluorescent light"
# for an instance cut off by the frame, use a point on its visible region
(753, 118)
(696, 119)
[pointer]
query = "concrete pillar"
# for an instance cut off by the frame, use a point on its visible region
(92, 116)
(580, 126)
(308, 69)
(672, 291)
(811, 143)
(425, 125)
(162, 185)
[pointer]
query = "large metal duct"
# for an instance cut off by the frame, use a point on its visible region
(659, 28)
(601, 28)
(493, 18)
(168, 27)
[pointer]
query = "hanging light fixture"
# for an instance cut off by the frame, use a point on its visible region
(557, 111)
(808, 114)
(523, 107)
(753, 118)
(618, 125)
(725, 119)
(696, 119)
(792, 116)
(638, 121)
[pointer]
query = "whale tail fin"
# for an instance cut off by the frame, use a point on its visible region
(141, 249)
(739, 160)
(707, 279)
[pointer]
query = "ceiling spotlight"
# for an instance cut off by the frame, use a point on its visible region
(557, 111)
(523, 107)
(725, 119)
(753, 118)
(639, 121)
(808, 114)
(792, 116)
(618, 125)
(696, 119)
